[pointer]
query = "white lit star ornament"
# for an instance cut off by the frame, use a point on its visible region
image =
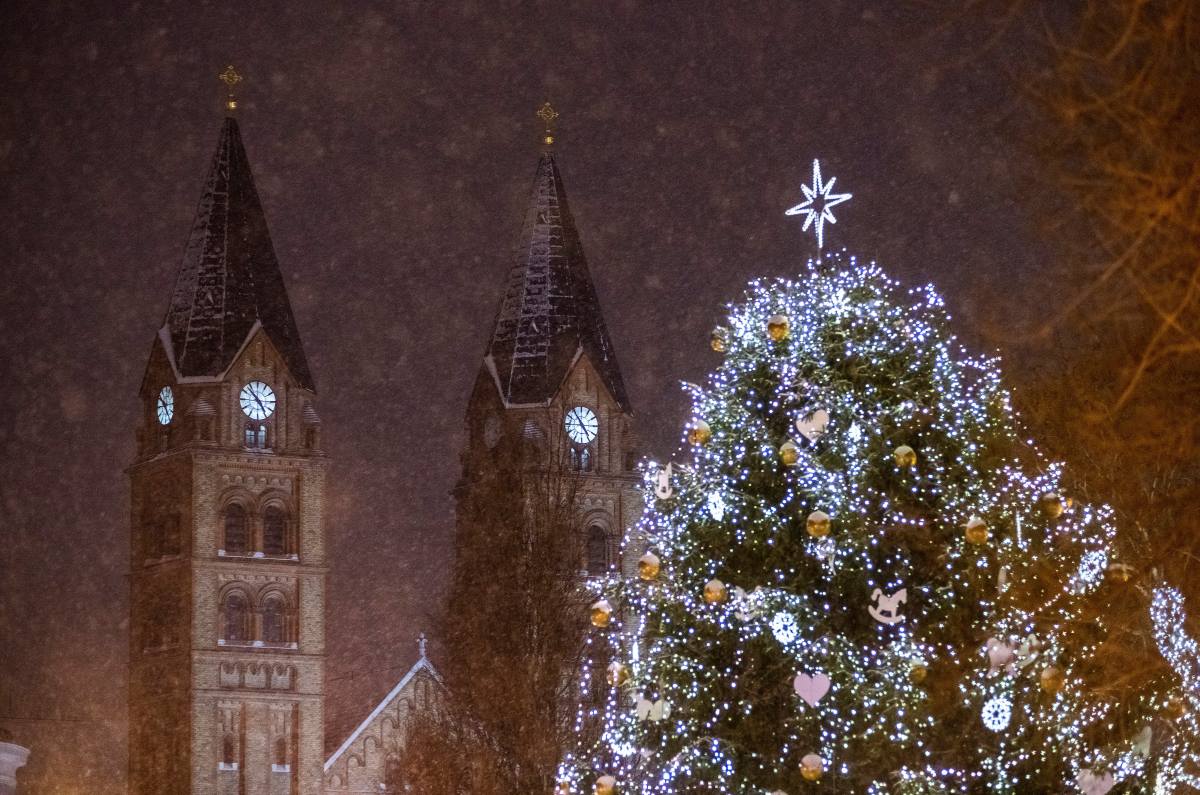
(818, 203)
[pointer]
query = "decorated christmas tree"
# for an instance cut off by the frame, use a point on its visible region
(857, 575)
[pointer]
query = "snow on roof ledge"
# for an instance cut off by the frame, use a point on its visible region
(421, 663)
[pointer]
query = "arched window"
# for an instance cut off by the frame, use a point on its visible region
(274, 618)
(237, 618)
(275, 541)
(256, 435)
(581, 457)
(597, 550)
(393, 774)
(237, 530)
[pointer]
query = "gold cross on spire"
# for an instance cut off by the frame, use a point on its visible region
(549, 116)
(230, 78)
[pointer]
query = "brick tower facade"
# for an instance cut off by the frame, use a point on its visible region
(228, 559)
(550, 375)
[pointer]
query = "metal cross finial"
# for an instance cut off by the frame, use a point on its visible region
(230, 78)
(549, 116)
(421, 643)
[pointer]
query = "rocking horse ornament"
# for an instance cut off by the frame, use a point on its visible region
(885, 608)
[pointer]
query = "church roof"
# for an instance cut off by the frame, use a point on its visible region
(409, 679)
(230, 277)
(549, 315)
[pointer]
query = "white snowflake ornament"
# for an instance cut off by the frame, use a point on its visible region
(997, 713)
(716, 506)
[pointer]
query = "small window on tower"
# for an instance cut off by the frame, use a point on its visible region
(581, 458)
(273, 620)
(170, 538)
(256, 435)
(228, 753)
(237, 528)
(275, 531)
(597, 550)
(280, 762)
(237, 619)
(153, 540)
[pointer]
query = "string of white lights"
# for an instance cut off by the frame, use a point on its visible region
(848, 576)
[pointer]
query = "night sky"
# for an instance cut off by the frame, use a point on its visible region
(393, 146)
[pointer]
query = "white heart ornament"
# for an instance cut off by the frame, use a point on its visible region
(811, 688)
(1091, 784)
(813, 426)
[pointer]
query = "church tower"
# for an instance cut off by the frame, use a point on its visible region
(227, 542)
(550, 375)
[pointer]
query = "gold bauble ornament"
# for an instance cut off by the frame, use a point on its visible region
(601, 614)
(1051, 505)
(1120, 572)
(1176, 707)
(618, 674)
(606, 785)
(648, 566)
(976, 530)
(719, 339)
(789, 453)
(905, 457)
(817, 524)
(917, 673)
(812, 767)
(715, 592)
(779, 327)
(1051, 679)
(699, 433)
(564, 788)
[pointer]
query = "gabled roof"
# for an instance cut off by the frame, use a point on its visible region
(422, 664)
(230, 279)
(549, 314)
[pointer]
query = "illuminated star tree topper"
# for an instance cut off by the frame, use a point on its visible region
(818, 204)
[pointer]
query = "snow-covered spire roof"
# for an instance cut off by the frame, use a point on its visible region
(549, 314)
(230, 278)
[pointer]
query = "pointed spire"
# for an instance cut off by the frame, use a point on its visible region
(230, 279)
(549, 314)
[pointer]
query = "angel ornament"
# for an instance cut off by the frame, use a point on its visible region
(662, 488)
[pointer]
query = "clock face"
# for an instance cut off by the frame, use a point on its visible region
(581, 425)
(165, 406)
(258, 400)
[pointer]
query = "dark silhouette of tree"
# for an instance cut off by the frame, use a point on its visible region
(1108, 373)
(513, 632)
